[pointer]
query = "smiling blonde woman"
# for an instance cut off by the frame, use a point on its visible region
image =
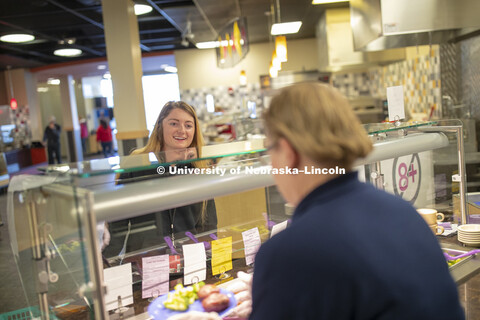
(176, 136)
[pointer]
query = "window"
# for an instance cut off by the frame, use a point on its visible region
(158, 90)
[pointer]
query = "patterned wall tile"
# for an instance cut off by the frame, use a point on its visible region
(470, 75)
(21, 134)
(227, 97)
(420, 78)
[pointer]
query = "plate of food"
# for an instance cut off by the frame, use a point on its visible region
(197, 297)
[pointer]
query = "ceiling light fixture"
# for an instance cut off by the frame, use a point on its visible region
(68, 52)
(281, 48)
(273, 71)
(53, 81)
(285, 28)
(276, 63)
(101, 67)
(13, 101)
(17, 38)
(170, 69)
(207, 45)
(142, 9)
(215, 44)
(327, 1)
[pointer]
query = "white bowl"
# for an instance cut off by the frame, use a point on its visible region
(468, 237)
(470, 228)
(469, 233)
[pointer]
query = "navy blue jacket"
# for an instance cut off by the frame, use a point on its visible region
(353, 252)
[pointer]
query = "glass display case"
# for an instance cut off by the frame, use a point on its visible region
(104, 238)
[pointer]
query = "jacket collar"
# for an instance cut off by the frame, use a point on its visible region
(326, 192)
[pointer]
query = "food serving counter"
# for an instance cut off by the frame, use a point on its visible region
(71, 267)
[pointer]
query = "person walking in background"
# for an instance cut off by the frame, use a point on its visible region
(51, 136)
(104, 136)
(84, 134)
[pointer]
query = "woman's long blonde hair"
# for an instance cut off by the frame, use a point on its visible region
(156, 142)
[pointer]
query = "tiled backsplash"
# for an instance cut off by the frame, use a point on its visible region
(470, 75)
(226, 97)
(420, 78)
(21, 134)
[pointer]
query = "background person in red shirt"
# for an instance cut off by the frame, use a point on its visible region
(104, 136)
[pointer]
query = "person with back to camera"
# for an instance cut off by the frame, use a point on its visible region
(175, 136)
(352, 251)
(104, 136)
(51, 136)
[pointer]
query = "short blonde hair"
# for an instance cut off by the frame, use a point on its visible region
(319, 123)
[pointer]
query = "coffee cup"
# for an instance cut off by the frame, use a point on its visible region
(436, 229)
(289, 209)
(431, 216)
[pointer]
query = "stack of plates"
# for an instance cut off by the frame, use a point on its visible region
(469, 234)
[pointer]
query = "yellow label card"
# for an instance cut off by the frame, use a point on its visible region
(221, 255)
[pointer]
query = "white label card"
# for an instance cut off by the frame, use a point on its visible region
(119, 284)
(195, 263)
(396, 105)
(278, 228)
(155, 276)
(251, 241)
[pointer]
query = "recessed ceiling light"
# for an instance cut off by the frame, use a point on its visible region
(285, 28)
(53, 81)
(142, 9)
(17, 38)
(327, 1)
(101, 67)
(68, 52)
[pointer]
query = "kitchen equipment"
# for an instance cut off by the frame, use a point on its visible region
(385, 24)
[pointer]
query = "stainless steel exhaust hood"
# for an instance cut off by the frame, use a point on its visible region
(385, 24)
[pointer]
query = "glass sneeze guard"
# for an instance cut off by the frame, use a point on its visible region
(375, 128)
(148, 161)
